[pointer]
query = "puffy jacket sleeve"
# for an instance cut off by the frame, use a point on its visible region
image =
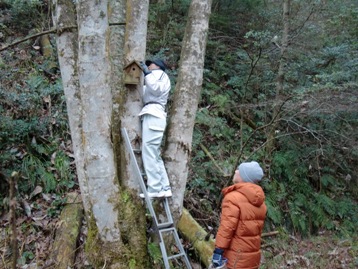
(230, 214)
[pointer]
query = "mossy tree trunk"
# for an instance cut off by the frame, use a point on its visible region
(67, 233)
(96, 106)
(202, 243)
(127, 101)
(64, 14)
(87, 73)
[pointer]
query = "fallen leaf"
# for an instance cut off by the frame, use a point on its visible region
(26, 207)
(36, 191)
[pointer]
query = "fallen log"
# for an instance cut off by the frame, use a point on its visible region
(67, 232)
(195, 234)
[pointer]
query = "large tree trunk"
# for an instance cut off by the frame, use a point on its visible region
(64, 15)
(128, 44)
(91, 79)
(85, 70)
(134, 50)
(186, 97)
(117, 17)
(96, 97)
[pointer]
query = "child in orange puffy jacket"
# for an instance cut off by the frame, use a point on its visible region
(238, 239)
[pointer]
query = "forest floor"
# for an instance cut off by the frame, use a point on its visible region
(323, 251)
(37, 221)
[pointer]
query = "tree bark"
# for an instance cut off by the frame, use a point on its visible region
(128, 44)
(280, 78)
(85, 71)
(67, 232)
(192, 231)
(134, 49)
(67, 47)
(96, 97)
(186, 97)
(104, 237)
(12, 213)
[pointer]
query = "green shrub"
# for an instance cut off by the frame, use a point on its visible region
(21, 10)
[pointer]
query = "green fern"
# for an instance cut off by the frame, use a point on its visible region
(274, 213)
(155, 253)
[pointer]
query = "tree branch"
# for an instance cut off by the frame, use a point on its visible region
(37, 35)
(55, 30)
(269, 233)
(212, 158)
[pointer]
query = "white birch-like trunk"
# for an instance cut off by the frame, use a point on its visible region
(126, 106)
(96, 97)
(134, 49)
(67, 47)
(186, 98)
(117, 16)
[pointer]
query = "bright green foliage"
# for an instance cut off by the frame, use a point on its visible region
(155, 253)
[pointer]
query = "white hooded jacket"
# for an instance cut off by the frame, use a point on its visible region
(155, 93)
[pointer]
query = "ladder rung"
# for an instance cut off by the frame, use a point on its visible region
(176, 256)
(165, 225)
(171, 229)
(137, 150)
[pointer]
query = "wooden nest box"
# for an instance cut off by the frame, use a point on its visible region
(132, 73)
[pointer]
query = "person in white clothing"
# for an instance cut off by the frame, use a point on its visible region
(154, 120)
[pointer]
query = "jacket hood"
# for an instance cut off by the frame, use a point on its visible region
(252, 192)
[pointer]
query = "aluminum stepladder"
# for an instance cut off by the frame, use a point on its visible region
(163, 227)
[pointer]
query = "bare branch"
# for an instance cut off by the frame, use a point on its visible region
(55, 30)
(37, 35)
(212, 158)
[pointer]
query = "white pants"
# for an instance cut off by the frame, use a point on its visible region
(152, 135)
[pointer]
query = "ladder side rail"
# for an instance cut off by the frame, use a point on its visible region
(164, 251)
(139, 174)
(179, 245)
(168, 211)
(181, 249)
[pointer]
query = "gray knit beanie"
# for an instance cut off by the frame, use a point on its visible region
(251, 172)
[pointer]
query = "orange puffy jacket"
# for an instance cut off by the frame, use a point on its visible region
(242, 220)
